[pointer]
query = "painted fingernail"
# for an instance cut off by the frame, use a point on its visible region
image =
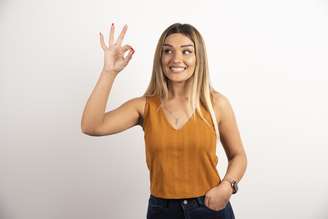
(132, 50)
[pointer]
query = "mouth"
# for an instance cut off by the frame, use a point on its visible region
(177, 69)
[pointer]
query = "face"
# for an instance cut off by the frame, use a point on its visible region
(178, 57)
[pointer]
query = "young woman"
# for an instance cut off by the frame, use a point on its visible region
(183, 118)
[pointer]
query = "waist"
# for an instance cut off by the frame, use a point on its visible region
(171, 203)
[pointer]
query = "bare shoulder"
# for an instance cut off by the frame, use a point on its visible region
(140, 104)
(219, 99)
(221, 105)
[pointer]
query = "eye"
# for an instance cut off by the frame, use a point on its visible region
(187, 51)
(167, 51)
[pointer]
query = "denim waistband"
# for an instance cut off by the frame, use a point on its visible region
(174, 202)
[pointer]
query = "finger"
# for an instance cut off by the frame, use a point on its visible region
(126, 48)
(122, 34)
(111, 35)
(128, 58)
(207, 201)
(102, 42)
(129, 55)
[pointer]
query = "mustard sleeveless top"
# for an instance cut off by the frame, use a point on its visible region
(181, 162)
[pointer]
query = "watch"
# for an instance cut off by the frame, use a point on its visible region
(234, 185)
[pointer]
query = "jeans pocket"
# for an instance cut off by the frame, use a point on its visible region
(216, 211)
(201, 201)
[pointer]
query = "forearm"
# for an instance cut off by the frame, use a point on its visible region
(94, 110)
(236, 167)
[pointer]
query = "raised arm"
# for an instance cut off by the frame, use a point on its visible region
(94, 119)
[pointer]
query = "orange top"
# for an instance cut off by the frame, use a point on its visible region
(182, 162)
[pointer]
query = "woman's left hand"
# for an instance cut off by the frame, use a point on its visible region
(218, 197)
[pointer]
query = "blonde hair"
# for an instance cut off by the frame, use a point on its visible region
(201, 90)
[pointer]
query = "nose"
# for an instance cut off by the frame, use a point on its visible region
(177, 57)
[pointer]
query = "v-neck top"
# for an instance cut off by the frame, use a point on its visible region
(182, 162)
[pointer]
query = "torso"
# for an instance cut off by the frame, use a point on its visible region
(178, 108)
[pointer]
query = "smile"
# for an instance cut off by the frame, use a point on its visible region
(177, 69)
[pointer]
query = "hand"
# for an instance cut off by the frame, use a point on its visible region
(114, 60)
(218, 197)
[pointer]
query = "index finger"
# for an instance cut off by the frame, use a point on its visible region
(122, 34)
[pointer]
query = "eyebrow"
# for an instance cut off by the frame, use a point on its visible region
(187, 45)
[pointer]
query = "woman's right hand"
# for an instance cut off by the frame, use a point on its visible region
(114, 59)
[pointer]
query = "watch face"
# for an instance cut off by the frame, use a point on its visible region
(235, 187)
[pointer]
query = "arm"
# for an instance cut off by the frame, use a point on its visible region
(218, 196)
(231, 141)
(93, 114)
(97, 123)
(94, 120)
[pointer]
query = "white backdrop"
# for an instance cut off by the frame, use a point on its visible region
(268, 57)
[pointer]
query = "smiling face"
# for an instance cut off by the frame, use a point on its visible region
(178, 57)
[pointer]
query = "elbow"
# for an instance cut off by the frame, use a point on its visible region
(89, 131)
(84, 128)
(92, 131)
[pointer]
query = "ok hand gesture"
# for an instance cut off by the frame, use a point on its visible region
(114, 59)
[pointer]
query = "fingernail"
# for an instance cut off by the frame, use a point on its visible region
(112, 24)
(132, 50)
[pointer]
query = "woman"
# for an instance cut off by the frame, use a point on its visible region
(183, 117)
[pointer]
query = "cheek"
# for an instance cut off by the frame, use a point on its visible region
(165, 61)
(191, 61)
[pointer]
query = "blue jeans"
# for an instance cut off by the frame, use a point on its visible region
(190, 208)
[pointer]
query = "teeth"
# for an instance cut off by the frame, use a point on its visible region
(177, 69)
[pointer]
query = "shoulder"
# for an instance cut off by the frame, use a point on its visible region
(139, 103)
(221, 104)
(220, 100)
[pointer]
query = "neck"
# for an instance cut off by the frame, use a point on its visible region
(178, 90)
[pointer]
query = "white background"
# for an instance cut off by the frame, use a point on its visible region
(268, 57)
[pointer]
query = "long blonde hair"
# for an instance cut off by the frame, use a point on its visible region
(201, 89)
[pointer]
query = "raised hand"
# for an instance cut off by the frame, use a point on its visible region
(114, 59)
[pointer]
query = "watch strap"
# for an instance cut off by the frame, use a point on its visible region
(233, 183)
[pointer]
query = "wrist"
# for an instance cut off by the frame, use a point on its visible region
(111, 72)
(227, 185)
(233, 184)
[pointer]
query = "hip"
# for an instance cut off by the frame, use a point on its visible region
(189, 208)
